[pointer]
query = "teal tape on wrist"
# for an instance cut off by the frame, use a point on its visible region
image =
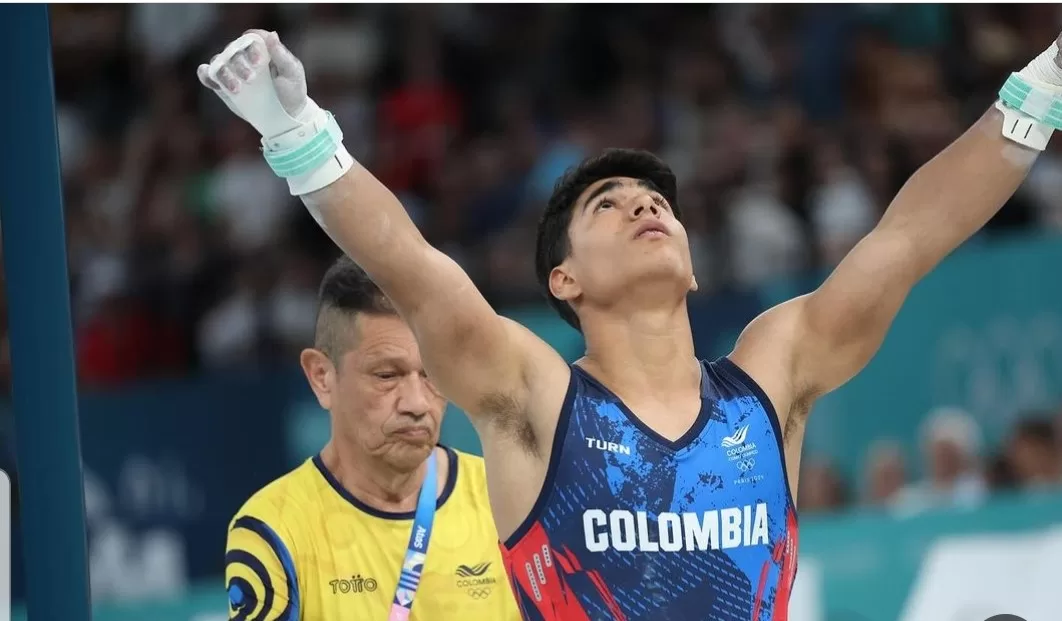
(1045, 107)
(310, 155)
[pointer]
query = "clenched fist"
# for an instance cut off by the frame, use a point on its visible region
(251, 71)
(264, 84)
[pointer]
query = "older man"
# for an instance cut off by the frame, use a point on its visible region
(329, 539)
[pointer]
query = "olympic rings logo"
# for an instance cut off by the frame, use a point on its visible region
(479, 593)
(746, 464)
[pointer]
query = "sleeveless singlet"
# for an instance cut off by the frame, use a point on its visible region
(631, 526)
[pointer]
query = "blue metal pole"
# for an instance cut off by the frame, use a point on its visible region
(44, 391)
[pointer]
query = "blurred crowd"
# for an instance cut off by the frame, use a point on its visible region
(790, 128)
(958, 470)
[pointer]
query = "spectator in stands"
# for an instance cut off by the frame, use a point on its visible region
(1058, 428)
(1032, 451)
(951, 445)
(886, 473)
(821, 488)
(999, 473)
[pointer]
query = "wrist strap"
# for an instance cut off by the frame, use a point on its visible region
(304, 148)
(1039, 104)
(1023, 129)
(310, 156)
(1031, 114)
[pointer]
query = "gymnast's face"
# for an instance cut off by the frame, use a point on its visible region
(381, 400)
(623, 235)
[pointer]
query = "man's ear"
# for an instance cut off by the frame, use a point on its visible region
(321, 375)
(562, 283)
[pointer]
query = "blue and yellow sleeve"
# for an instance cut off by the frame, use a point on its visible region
(259, 573)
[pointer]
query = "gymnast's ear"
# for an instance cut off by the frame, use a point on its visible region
(562, 283)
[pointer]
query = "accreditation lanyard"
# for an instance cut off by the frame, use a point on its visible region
(413, 565)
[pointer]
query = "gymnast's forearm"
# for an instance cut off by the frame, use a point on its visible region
(956, 193)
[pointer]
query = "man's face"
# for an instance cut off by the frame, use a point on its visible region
(1034, 459)
(380, 398)
(623, 233)
(947, 460)
(887, 476)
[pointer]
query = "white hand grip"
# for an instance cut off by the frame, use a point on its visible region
(255, 98)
